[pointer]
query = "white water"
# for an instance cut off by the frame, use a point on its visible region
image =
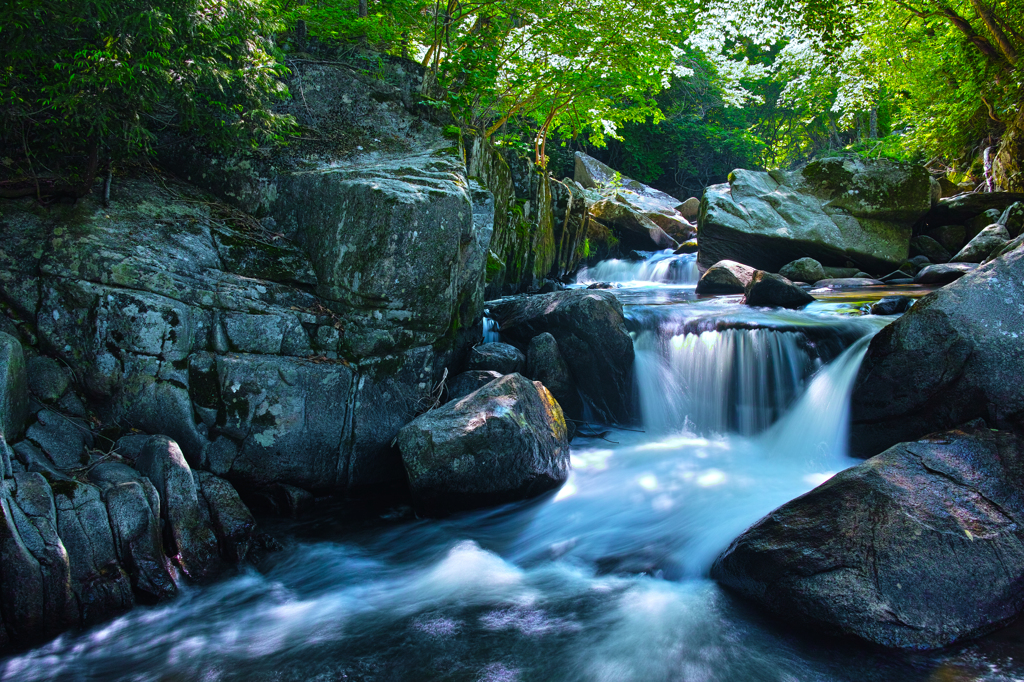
(602, 580)
(661, 267)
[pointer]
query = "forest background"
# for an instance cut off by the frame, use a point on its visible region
(675, 93)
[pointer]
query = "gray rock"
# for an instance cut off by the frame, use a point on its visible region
(47, 379)
(769, 289)
(803, 270)
(689, 246)
(130, 446)
(690, 208)
(895, 550)
(953, 357)
(725, 277)
(134, 509)
(1013, 219)
(897, 277)
(22, 585)
(63, 440)
(505, 442)
(926, 246)
(544, 363)
(192, 541)
(496, 357)
(944, 273)
(979, 222)
(960, 209)
(951, 237)
(6, 458)
(465, 383)
(13, 388)
(839, 273)
(891, 305)
(100, 584)
(832, 210)
(590, 329)
(920, 261)
(990, 239)
(847, 283)
(34, 459)
(634, 228)
(232, 521)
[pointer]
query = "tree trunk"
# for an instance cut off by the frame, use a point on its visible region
(989, 19)
(874, 123)
(364, 9)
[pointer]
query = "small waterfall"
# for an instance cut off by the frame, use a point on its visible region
(734, 380)
(662, 266)
(491, 333)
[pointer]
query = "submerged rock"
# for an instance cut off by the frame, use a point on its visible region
(833, 210)
(591, 333)
(769, 289)
(919, 547)
(953, 357)
(725, 277)
(504, 442)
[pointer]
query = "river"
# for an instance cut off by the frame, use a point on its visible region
(603, 580)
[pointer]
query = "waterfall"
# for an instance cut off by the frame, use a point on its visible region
(662, 266)
(491, 333)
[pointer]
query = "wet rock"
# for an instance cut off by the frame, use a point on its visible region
(503, 443)
(953, 357)
(950, 237)
(231, 519)
(990, 239)
(544, 363)
(292, 501)
(100, 584)
(591, 333)
(63, 441)
(496, 357)
(891, 305)
(634, 229)
(944, 273)
(192, 541)
(689, 246)
(47, 379)
(769, 289)
(13, 388)
(467, 382)
(918, 547)
(832, 210)
(689, 208)
(803, 270)
(674, 225)
(847, 283)
(725, 277)
(133, 506)
(926, 246)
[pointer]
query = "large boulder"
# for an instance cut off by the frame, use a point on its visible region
(634, 229)
(505, 442)
(943, 273)
(990, 239)
(544, 363)
(725, 277)
(590, 329)
(13, 388)
(833, 210)
(803, 270)
(919, 547)
(496, 357)
(953, 357)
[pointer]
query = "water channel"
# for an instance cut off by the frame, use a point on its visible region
(603, 580)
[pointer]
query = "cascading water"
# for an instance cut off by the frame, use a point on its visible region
(663, 267)
(491, 331)
(601, 580)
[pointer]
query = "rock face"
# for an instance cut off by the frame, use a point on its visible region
(590, 330)
(725, 277)
(955, 356)
(918, 547)
(505, 442)
(833, 210)
(769, 289)
(13, 387)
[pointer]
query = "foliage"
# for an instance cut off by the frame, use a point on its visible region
(84, 82)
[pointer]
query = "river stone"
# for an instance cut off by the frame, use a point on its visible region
(725, 277)
(13, 388)
(496, 357)
(926, 246)
(634, 228)
(191, 540)
(503, 443)
(769, 289)
(919, 547)
(690, 208)
(951, 237)
(98, 579)
(943, 273)
(832, 210)
(1013, 219)
(63, 441)
(467, 382)
(674, 225)
(990, 239)
(231, 519)
(590, 329)
(953, 357)
(891, 305)
(803, 270)
(689, 246)
(544, 363)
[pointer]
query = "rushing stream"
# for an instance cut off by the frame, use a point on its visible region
(603, 580)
